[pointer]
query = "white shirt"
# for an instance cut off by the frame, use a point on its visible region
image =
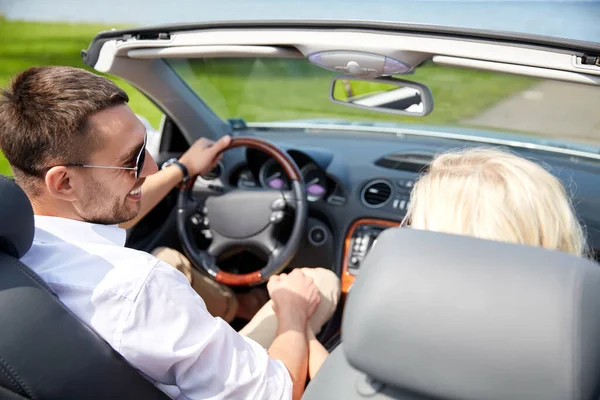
(147, 311)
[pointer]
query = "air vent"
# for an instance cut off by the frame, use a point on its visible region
(405, 162)
(214, 173)
(376, 193)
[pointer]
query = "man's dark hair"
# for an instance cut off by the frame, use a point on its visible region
(44, 119)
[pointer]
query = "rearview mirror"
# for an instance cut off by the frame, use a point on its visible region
(389, 95)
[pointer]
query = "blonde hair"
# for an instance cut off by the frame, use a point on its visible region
(493, 194)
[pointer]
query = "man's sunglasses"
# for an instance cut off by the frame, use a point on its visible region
(139, 162)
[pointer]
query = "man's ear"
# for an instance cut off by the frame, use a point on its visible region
(60, 184)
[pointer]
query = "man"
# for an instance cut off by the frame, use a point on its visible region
(78, 151)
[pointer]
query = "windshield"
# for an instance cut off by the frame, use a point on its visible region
(268, 90)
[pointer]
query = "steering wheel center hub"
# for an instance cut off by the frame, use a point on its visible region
(243, 214)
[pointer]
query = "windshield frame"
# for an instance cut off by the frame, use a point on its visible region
(163, 33)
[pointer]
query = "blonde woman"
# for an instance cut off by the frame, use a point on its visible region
(493, 194)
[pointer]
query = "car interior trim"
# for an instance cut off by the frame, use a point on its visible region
(228, 278)
(153, 34)
(226, 51)
(425, 133)
(408, 48)
(347, 277)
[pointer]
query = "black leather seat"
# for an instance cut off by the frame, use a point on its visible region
(45, 351)
(438, 316)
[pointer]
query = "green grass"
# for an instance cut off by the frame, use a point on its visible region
(4, 167)
(275, 90)
(267, 90)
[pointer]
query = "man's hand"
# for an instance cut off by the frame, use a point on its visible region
(203, 155)
(294, 295)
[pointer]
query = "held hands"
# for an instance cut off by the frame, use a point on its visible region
(203, 155)
(294, 295)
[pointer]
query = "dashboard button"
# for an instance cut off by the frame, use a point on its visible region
(277, 217)
(402, 204)
(317, 235)
(405, 183)
(278, 205)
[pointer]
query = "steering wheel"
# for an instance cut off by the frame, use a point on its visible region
(246, 218)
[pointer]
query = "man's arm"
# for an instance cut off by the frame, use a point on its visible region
(291, 348)
(295, 298)
(298, 352)
(202, 156)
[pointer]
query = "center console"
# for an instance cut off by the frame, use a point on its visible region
(360, 238)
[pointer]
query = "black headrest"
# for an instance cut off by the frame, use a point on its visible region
(16, 219)
(454, 317)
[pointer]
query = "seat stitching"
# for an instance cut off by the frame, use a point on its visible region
(12, 380)
(15, 380)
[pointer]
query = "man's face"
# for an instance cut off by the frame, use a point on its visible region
(113, 196)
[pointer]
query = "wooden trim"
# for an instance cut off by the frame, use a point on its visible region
(230, 279)
(347, 278)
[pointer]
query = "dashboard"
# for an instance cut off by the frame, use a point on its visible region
(358, 185)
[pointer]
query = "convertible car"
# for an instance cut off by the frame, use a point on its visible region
(332, 123)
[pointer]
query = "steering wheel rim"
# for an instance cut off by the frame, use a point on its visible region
(223, 238)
